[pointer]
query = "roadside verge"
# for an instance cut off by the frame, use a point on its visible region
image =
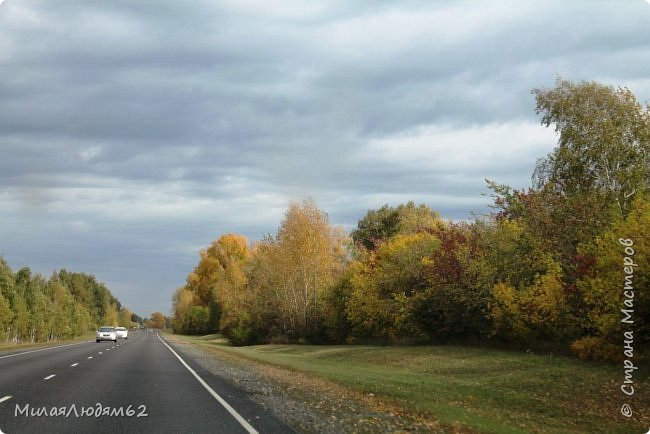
(305, 402)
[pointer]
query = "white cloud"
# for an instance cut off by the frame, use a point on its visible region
(461, 150)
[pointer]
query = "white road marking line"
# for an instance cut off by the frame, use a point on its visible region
(4, 398)
(49, 376)
(73, 365)
(100, 352)
(214, 394)
(41, 349)
(90, 357)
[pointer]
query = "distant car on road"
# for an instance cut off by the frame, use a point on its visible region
(122, 332)
(106, 334)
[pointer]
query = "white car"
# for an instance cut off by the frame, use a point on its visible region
(122, 332)
(106, 333)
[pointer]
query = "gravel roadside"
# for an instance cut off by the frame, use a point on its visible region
(306, 403)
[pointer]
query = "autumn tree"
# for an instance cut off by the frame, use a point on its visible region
(616, 278)
(383, 286)
(182, 302)
(215, 292)
(230, 296)
(309, 257)
(542, 271)
(587, 185)
(266, 313)
(157, 321)
(124, 317)
(62, 308)
(387, 277)
(111, 315)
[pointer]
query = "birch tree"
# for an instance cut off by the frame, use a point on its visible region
(310, 256)
(604, 142)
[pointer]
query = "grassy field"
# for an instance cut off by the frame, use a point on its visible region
(483, 390)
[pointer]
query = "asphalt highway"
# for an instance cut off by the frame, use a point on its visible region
(139, 385)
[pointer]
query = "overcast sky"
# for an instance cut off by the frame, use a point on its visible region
(133, 133)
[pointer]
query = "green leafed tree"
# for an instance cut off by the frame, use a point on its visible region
(604, 142)
(67, 304)
(6, 317)
(384, 223)
(376, 226)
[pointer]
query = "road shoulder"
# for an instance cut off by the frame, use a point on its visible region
(307, 403)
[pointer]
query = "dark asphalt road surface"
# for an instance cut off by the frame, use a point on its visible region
(135, 386)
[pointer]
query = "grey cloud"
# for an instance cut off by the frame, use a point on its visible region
(133, 133)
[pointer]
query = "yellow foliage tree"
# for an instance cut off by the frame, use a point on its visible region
(157, 321)
(111, 317)
(231, 293)
(182, 301)
(617, 281)
(524, 313)
(124, 317)
(302, 264)
(384, 281)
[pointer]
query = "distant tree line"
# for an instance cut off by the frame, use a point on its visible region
(545, 270)
(68, 304)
